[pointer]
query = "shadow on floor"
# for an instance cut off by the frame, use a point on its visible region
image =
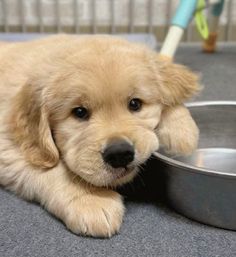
(148, 186)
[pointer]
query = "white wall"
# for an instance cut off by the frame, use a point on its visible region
(84, 8)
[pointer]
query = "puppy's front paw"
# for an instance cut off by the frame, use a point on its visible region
(98, 215)
(178, 133)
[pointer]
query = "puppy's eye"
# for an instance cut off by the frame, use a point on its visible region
(135, 105)
(81, 113)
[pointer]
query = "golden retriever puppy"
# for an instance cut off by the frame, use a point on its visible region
(78, 115)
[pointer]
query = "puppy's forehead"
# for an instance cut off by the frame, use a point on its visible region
(104, 73)
(118, 70)
(108, 62)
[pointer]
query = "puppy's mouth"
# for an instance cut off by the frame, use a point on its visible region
(122, 176)
(122, 172)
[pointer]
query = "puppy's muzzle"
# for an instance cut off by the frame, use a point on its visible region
(118, 154)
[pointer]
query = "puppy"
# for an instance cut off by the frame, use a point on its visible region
(78, 115)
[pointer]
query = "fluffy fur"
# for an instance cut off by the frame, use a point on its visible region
(48, 155)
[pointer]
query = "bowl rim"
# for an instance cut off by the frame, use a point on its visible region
(191, 168)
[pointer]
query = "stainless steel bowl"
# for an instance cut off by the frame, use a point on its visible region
(203, 185)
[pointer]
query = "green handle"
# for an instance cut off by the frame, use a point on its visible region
(200, 20)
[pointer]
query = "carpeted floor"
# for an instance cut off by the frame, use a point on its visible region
(150, 227)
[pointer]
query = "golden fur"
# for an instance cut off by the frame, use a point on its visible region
(49, 156)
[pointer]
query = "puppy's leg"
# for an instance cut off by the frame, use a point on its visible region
(177, 131)
(84, 209)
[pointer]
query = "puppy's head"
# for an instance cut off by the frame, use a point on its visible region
(96, 106)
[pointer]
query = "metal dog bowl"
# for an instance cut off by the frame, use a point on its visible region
(203, 185)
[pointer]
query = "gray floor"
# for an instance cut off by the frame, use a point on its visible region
(150, 227)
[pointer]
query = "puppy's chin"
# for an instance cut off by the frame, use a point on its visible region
(112, 177)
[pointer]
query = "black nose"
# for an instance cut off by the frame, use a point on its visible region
(118, 154)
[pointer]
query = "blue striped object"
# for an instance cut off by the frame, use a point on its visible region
(184, 13)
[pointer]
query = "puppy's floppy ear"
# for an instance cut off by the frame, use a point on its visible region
(177, 131)
(30, 128)
(176, 83)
